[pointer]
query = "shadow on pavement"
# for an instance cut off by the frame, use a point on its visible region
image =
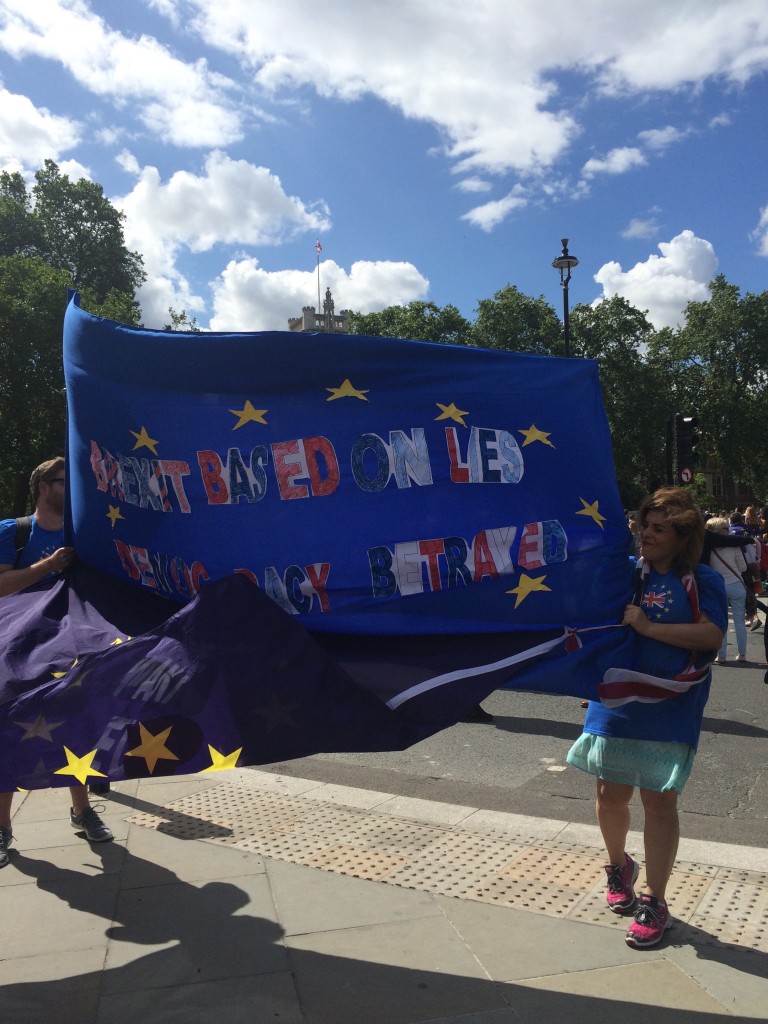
(220, 963)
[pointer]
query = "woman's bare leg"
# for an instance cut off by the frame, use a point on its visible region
(662, 835)
(613, 817)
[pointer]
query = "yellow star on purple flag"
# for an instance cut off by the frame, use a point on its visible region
(79, 767)
(221, 762)
(152, 748)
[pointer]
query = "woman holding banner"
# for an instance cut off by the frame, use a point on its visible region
(679, 614)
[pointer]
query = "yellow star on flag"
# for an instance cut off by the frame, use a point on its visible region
(220, 762)
(60, 675)
(152, 748)
(526, 586)
(79, 767)
(450, 412)
(591, 511)
(114, 515)
(249, 415)
(143, 440)
(534, 434)
(346, 390)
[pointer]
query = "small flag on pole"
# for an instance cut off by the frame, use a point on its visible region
(318, 247)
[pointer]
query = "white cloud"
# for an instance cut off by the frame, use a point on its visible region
(232, 203)
(659, 45)
(626, 158)
(486, 78)
(760, 234)
(29, 135)
(640, 227)
(74, 170)
(618, 161)
(474, 184)
(720, 121)
(663, 285)
(494, 212)
(661, 138)
(248, 298)
(483, 75)
(185, 103)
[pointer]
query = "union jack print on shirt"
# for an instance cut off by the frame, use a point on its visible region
(657, 603)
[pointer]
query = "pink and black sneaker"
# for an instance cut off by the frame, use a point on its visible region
(620, 893)
(651, 921)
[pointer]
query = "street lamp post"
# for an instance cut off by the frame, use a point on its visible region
(565, 264)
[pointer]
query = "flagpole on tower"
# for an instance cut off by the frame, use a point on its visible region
(318, 250)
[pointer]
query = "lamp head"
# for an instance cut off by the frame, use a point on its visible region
(565, 261)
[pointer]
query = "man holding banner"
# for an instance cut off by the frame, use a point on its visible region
(24, 562)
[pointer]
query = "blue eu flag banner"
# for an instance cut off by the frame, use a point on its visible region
(291, 543)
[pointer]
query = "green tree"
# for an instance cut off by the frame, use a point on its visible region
(20, 232)
(181, 322)
(635, 393)
(83, 234)
(420, 321)
(32, 404)
(514, 322)
(718, 365)
(70, 236)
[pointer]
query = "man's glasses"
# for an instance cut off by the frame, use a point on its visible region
(56, 480)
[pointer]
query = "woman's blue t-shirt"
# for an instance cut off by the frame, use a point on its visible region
(676, 719)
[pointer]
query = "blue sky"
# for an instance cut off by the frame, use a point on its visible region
(438, 150)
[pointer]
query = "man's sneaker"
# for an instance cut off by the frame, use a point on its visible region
(620, 893)
(651, 921)
(91, 824)
(6, 836)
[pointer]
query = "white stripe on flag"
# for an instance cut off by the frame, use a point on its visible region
(477, 670)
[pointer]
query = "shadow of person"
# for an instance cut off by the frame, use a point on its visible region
(198, 933)
(173, 822)
(213, 951)
(737, 958)
(539, 727)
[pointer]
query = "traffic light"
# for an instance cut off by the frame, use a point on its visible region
(687, 441)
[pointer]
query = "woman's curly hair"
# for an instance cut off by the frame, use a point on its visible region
(684, 517)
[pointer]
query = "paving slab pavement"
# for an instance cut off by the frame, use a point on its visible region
(244, 896)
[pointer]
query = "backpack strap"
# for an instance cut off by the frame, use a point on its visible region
(23, 530)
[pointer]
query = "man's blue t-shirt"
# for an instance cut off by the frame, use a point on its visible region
(40, 544)
(677, 719)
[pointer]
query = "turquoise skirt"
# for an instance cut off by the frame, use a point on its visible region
(644, 763)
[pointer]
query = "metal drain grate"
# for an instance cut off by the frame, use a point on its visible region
(716, 905)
